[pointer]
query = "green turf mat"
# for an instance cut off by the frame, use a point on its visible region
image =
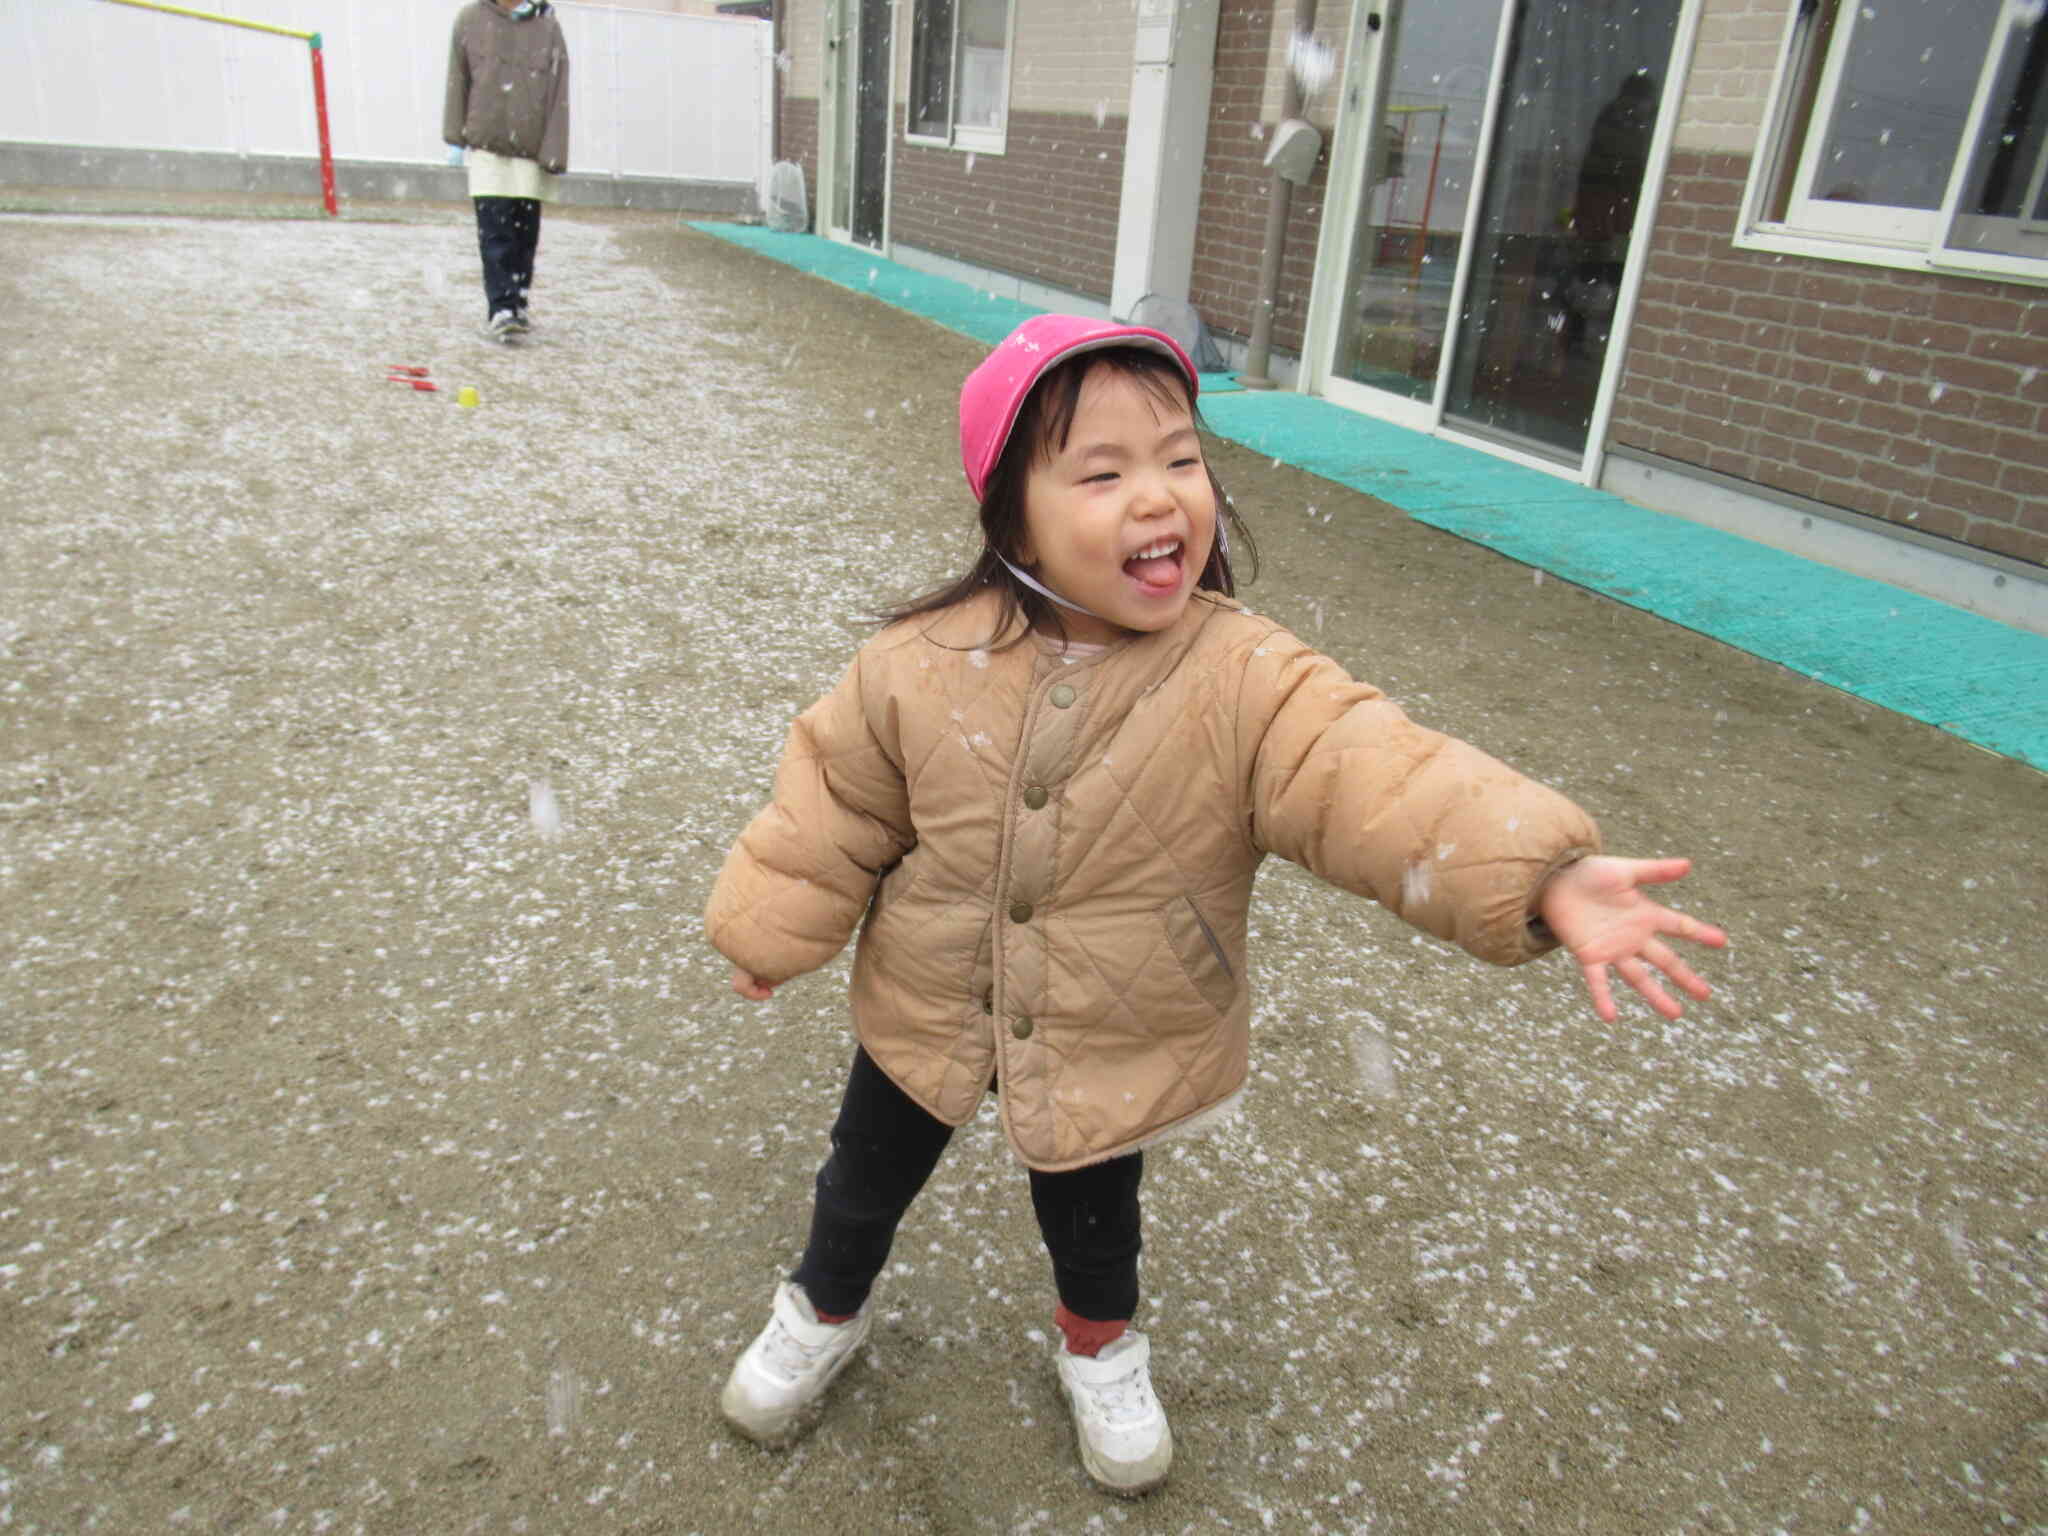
(946, 301)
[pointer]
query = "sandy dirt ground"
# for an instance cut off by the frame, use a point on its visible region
(381, 1149)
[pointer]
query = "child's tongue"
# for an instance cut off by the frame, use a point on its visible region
(1158, 571)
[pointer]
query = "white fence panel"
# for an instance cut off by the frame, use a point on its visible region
(650, 94)
(650, 90)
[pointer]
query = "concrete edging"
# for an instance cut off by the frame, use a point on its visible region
(94, 165)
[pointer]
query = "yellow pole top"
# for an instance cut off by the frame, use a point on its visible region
(232, 21)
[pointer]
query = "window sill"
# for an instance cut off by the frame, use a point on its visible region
(980, 141)
(1913, 258)
(968, 141)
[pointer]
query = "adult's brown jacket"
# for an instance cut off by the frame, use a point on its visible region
(1051, 863)
(508, 85)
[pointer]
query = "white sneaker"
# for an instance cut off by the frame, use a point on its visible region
(1125, 1443)
(502, 325)
(788, 1366)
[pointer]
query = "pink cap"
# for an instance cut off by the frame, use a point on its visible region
(996, 391)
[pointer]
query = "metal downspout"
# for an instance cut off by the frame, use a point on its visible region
(1258, 355)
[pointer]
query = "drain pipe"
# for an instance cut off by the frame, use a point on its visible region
(1258, 355)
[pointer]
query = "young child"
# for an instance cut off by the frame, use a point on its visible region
(1041, 795)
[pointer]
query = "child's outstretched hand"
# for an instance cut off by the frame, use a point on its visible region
(752, 987)
(1597, 912)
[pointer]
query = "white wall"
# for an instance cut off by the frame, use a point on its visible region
(651, 94)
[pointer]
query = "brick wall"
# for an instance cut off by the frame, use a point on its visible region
(1913, 397)
(1071, 56)
(796, 138)
(1045, 209)
(800, 47)
(1733, 60)
(1230, 231)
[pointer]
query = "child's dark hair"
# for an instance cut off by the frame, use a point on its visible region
(1041, 428)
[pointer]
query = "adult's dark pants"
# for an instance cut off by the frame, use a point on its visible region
(884, 1148)
(508, 235)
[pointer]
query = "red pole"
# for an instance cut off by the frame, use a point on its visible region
(320, 117)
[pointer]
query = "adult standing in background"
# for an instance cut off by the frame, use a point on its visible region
(508, 107)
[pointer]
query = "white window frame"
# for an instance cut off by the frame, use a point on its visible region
(1915, 239)
(969, 137)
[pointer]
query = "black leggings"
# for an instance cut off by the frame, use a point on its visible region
(884, 1148)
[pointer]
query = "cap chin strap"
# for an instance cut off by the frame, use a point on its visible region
(1047, 592)
(1222, 548)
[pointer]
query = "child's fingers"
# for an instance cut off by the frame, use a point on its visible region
(751, 987)
(1639, 975)
(1682, 975)
(1595, 973)
(1678, 925)
(1636, 970)
(1661, 871)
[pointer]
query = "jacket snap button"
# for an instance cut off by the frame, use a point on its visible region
(1035, 797)
(1062, 696)
(1020, 911)
(1021, 1027)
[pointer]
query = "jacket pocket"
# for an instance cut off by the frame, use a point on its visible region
(896, 882)
(1200, 952)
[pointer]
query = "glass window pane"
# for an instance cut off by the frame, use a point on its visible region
(1907, 78)
(1582, 87)
(2004, 200)
(984, 33)
(931, 67)
(2010, 140)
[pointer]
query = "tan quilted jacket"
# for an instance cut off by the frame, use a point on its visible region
(1054, 860)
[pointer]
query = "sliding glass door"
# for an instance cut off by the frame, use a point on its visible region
(1498, 157)
(1430, 64)
(1578, 102)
